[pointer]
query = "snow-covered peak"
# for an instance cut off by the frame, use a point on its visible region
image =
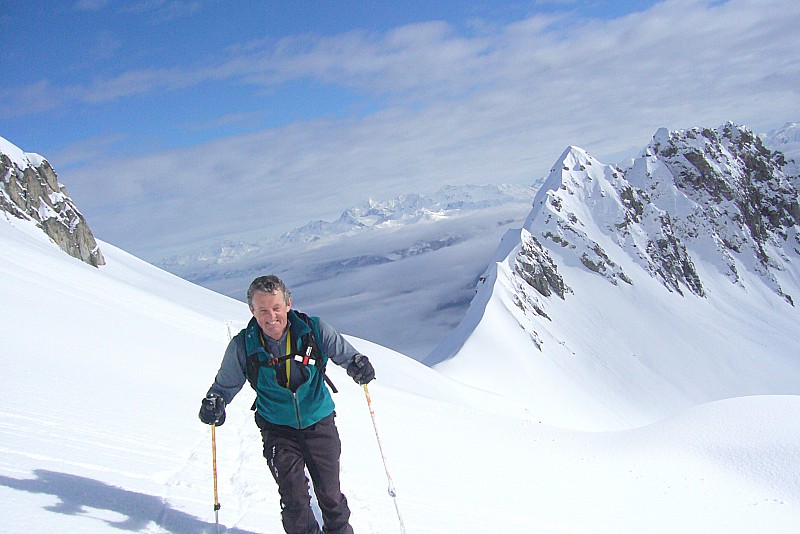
(18, 157)
(570, 170)
(576, 180)
(660, 138)
(733, 199)
(573, 159)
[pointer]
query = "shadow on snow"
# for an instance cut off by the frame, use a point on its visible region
(77, 492)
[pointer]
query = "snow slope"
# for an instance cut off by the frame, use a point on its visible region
(103, 371)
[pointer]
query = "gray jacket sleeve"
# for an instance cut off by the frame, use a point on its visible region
(232, 374)
(338, 349)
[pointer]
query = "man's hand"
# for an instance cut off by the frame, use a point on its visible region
(361, 370)
(212, 410)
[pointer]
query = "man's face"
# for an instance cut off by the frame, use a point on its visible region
(270, 311)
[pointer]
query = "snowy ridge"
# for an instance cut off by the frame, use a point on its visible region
(685, 264)
(20, 159)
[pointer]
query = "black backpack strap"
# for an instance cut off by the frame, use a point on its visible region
(253, 366)
(310, 341)
(329, 382)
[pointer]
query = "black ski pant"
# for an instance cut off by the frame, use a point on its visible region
(288, 452)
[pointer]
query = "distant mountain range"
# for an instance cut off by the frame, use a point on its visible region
(372, 216)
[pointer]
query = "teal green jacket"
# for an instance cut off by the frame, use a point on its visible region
(312, 400)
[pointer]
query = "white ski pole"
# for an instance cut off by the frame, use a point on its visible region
(392, 491)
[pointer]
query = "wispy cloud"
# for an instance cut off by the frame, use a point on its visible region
(250, 119)
(158, 11)
(680, 47)
(44, 95)
(163, 11)
(86, 151)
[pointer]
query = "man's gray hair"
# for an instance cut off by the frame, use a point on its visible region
(267, 284)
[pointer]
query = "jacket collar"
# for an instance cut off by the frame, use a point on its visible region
(297, 327)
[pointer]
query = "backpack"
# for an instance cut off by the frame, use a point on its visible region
(308, 354)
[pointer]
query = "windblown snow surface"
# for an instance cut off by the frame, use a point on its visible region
(104, 369)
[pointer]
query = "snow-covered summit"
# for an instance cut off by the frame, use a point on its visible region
(719, 192)
(18, 157)
(731, 200)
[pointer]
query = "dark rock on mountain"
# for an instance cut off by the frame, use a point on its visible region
(30, 190)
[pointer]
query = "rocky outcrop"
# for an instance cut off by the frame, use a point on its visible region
(29, 189)
(535, 266)
(712, 195)
(733, 201)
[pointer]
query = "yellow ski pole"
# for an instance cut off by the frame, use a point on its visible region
(217, 506)
(392, 491)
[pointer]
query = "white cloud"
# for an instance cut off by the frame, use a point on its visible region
(85, 151)
(457, 108)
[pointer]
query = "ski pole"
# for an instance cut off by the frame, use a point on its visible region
(214, 462)
(392, 491)
(217, 505)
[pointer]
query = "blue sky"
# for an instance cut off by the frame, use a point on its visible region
(141, 75)
(165, 119)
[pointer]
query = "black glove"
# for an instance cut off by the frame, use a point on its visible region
(212, 410)
(361, 370)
